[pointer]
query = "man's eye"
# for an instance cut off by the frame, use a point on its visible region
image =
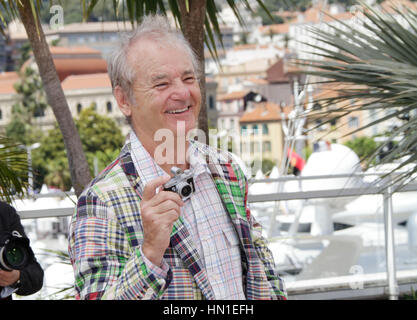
(161, 85)
(189, 79)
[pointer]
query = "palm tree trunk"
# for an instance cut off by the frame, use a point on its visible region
(192, 24)
(80, 173)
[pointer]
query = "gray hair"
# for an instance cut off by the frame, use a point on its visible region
(156, 28)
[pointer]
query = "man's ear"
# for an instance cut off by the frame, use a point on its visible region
(122, 101)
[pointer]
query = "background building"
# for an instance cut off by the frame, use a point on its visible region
(262, 136)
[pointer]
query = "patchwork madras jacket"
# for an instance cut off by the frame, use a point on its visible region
(106, 234)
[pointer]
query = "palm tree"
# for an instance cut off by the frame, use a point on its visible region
(13, 170)
(197, 18)
(374, 62)
(26, 10)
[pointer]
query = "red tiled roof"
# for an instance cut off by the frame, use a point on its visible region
(86, 81)
(68, 67)
(6, 87)
(233, 95)
(275, 28)
(257, 81)
(7, 80)
(264, 111)
(388, 5)
(9, 75)
(75, 60)
(72, 50)
(316, 15)
(250, 46)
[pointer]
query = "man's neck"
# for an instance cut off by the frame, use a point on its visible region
(165, 154)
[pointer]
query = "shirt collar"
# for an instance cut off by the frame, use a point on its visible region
(148, 169)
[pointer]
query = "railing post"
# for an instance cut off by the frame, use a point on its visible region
(390, 245)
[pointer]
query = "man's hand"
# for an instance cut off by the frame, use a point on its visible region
(159, 212)
(8, 278)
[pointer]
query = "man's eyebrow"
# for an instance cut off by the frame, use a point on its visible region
(188, 72)
(162, 76)
(158, 77)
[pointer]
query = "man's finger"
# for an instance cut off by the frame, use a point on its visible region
(168, 205)
(164, 196)
(151, 186)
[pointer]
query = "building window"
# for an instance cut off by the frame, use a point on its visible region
(353, 122)
(316, 107)
(79, 108)
(243, 130)
(243, 147)
(265, 129)
(1, 114)
(320, 126)
(109, 107)
(38, 112)
(266, 146)
(255, 129)
(211, 102)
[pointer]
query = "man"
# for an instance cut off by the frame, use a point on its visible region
(130, 239)
(23, 282)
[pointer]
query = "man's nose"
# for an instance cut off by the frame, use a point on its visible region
(181, 91)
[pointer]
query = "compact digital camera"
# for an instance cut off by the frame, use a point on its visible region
(15, 252)
(182, 183)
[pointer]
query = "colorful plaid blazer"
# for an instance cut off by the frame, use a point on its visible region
(106, 233)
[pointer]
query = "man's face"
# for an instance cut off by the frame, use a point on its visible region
(165, 89)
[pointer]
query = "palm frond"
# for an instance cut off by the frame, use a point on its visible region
(13, 170)
(136, 9)
(375, 62)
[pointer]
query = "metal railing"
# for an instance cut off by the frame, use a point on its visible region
(386, 190)
(375, 285)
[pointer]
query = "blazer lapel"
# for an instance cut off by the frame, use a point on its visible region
(232, 196)
(128, 167)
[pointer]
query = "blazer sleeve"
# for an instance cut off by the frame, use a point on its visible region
(31, 277)
(105, 265)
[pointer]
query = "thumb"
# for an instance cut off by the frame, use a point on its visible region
(151, 186)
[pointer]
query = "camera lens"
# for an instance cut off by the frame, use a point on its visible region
(186, 190)
(14, 256)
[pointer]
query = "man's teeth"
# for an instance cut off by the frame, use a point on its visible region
(178, 111)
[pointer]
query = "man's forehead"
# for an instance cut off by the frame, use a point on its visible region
(148, 45)
(158, 61)
(149, 48)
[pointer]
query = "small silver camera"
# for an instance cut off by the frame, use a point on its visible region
(182, 183)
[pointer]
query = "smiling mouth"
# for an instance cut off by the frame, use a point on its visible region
(178, 111)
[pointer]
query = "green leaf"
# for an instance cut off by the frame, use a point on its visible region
(380, 57)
